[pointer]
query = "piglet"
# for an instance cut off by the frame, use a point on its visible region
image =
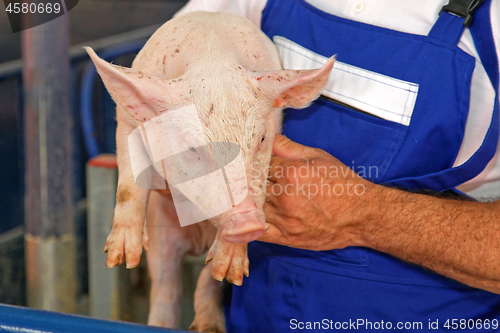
(226, 68)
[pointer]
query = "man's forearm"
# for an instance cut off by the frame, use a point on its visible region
(458, 239)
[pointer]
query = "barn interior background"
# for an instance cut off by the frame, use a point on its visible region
(117, 29)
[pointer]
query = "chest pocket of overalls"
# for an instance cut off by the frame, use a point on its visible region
(396, 103)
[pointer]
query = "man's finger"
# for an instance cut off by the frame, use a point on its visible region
(272, 235)
(284, 147)
(270, 197)
(270, 211)
(278, 169)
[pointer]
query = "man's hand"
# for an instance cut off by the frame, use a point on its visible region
(458, 239)
(314, 201)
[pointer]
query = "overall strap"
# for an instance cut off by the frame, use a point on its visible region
(482, 34)
(453, 19)
(448, 28)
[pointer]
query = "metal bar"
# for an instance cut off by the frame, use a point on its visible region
(18, 319)
(112, 41)
(49, 206)
(104, 283)
(11, 234)
(76, 51)
(12, 272)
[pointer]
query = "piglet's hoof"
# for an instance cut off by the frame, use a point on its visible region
(125, 243)
(206, 329)
(229, 260)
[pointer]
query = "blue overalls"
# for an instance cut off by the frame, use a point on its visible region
(358, 283)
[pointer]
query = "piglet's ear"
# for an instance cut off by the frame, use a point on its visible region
(292, 88)
(142, 95)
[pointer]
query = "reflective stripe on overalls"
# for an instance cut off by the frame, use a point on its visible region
(416, 150)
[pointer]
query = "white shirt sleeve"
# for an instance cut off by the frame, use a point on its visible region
(486, 186)
(495, 22)
(251, 9)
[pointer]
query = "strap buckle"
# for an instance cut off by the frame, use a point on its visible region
(463, 8)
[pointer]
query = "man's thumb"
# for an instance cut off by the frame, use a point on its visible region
(284, 147)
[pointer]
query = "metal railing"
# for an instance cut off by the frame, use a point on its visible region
(18, 319)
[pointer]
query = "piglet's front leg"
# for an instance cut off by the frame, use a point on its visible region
(229, 260)
(129, 235)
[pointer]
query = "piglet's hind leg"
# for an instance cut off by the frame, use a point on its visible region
(209, 316)
(168, 246)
